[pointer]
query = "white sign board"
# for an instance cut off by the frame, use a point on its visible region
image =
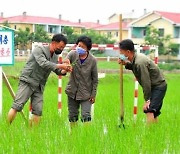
(6, 55)
(6, 47)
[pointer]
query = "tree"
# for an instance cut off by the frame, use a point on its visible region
(22, 38)
(40, 35)
(153, 37)
(174, 49)
(95, 37)
(71, 36)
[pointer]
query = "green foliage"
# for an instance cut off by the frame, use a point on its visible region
(174, 49)
(153, 37)
(169, 66)
(96, 38)
(71, 36)
(22, 38)
(69, 32)
(40, 35)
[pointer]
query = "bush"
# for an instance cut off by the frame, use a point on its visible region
(169, 66)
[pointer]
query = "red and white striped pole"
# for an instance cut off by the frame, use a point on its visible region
(30, 111)
(156, 56)
(60, 88)
(135, 99)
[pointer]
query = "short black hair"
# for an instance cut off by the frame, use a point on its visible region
(127, 44)
(86, 40)
(59, 38)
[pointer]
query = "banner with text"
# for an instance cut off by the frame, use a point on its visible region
(6, 47)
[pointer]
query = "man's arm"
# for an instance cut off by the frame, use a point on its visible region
(145, 80)
(41, 59)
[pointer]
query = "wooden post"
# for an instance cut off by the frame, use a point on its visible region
(11, 92)
(121, 75)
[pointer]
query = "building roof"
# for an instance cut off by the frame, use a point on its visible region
(90, 25)
(174, 17)
(113, 26)
(40, 20)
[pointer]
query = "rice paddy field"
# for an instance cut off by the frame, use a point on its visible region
(102, 135)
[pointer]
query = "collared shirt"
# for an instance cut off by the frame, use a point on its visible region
(83, 79)
(39, 66)
(147, 73)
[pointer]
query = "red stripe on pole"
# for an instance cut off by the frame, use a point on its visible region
(101, 48)
(135, 109)
(116, 48)
(30, 107)
(110, 45)
(156, 60)
(60, 60)
(59, 90)
(59, 105)
(136, 93)
(95, 45)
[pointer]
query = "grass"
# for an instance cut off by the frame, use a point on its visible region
(103, 135)
(15, 71)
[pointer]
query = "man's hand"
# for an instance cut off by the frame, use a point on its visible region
(92, 99)
(146, 105)
(65, 66)
(121, 62)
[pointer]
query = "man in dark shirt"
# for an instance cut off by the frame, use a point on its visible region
(149, 77)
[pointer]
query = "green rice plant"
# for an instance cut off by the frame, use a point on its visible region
(103, 135)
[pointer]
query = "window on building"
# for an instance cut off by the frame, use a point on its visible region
(177, 32)
(161, 32)
(144, 32)
(109, 34)
(15, 27)
(50, 29)
(116, 34)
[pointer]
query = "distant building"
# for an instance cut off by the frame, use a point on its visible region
(112, 30)
(51, 25)
(132, 27)
(167, 23)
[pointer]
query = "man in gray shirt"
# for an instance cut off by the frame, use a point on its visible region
(42, 61)
(149, 77)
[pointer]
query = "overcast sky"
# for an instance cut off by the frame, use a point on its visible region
(86, 10)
